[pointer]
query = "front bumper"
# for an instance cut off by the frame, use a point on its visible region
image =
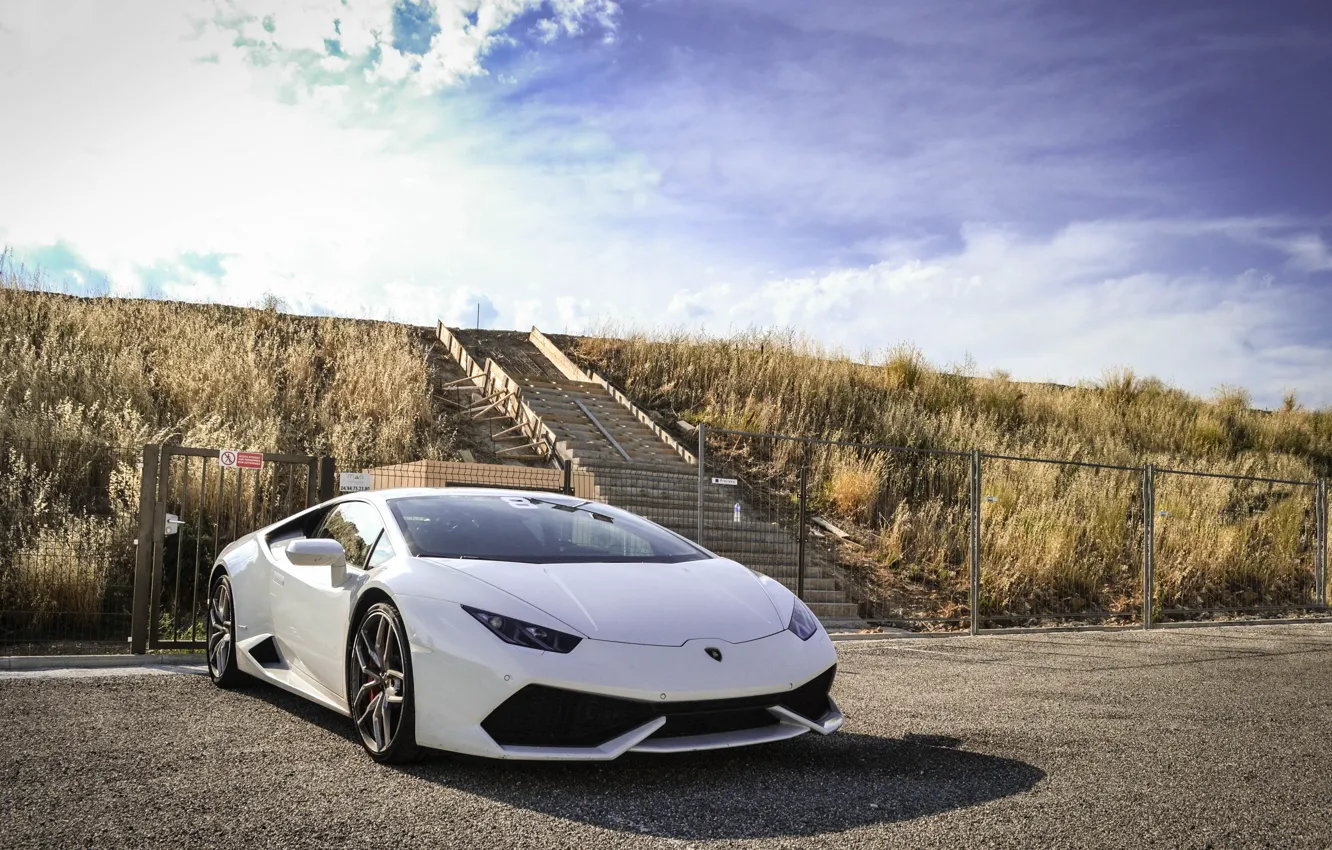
(540, 720)
(660, 698)
(642, 739)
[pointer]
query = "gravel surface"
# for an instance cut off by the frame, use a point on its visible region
(1192, 738)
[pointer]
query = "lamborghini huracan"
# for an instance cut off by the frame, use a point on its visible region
(516, 624)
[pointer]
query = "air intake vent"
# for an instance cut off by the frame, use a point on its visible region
(541, 716)
(265, 653)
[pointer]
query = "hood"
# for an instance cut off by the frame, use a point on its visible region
(654, 604)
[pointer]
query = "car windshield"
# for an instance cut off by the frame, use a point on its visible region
(533, 529)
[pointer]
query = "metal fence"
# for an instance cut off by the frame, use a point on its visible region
(195, 504)
(1059, 540)
(1234, 545)
(910, 509)
(926, 539)
(68, 512)
(932, 539)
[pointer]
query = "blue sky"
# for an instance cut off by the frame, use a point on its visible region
(1050, 188)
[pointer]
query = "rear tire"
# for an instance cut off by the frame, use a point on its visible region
(222, 666)
(380, 688)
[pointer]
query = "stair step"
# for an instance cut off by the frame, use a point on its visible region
(592, 445)
(819, 585)
(818, 597)
(597, 448)
(616, 464)
(835, 610)
(812, 581)
(667, 497)
(656, 482)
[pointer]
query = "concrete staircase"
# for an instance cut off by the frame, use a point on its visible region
(554, 406)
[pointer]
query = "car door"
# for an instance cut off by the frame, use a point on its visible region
(310, 613)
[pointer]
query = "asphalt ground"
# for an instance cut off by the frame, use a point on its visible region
(1181, 738)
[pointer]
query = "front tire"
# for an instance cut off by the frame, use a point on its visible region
(222, 666)
(380, 689)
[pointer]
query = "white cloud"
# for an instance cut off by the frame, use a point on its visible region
(1308, 252)
(287, 32)
(576, 315)
(357, 184)
(467, 308)
(1064, 308)
(332, 192)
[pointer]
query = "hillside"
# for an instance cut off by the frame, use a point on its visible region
(1054, 538)
(779, 382)
(126, 372)
(85, 382)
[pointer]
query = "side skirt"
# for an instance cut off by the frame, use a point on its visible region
(282, 674)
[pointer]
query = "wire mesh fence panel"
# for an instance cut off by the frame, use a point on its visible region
(668, 497)
(206, 507)
(892, 525)
(1323, 519)
(1233, 545)
(67, 529)
(750, 498)
(1060, 542)
(859, 531)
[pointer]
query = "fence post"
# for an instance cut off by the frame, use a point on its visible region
(328, 486)
(973, 597)
(143, 553)
(800, 537)
(158, 570)
(1148, 544)
(1320, 515)
(313, 482)
(568, 476)
(701, 490)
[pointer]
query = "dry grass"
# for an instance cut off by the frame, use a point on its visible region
(126, 371)
(80, 375)
(1056, 538)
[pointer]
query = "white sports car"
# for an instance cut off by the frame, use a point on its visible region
(520, 625)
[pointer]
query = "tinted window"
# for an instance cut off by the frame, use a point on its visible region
(355, 525)
(535, 530)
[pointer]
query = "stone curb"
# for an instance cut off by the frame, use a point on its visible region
(886, 634)
(54, 662)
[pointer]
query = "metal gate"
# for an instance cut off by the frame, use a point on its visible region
(193, 503)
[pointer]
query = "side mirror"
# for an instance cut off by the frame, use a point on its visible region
(320, 552)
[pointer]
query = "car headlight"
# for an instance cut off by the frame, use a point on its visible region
(519, 633)
(804, 624)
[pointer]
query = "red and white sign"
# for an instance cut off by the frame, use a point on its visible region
(232, 459)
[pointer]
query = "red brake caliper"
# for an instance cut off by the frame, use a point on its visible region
(371, 693)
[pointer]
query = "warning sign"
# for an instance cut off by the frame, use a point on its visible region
(232, 459)
(725, 482)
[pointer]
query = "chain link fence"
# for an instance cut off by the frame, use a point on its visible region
(1232, 545)
(68, 513)
(1060, 541)
(856, 530)
(876, 534)
(931, 540)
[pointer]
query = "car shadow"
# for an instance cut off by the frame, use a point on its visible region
(801, 787)
(300, 707)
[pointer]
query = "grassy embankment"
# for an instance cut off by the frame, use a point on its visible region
(84, 383)
(1054, 539)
